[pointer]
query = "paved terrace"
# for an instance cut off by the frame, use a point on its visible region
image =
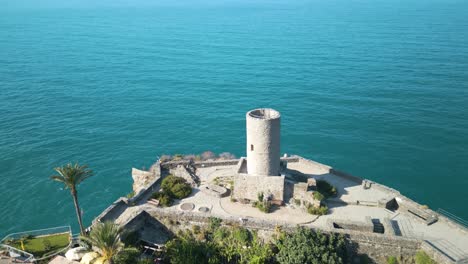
(444, 235)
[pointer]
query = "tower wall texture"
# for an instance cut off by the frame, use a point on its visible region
(263, 142)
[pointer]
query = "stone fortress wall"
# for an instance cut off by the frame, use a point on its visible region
(372, 244)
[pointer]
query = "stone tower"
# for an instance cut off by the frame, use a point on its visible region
(263, 142)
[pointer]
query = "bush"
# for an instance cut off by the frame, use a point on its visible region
(318, 196)
(165, 199)
(128, 256)
(189, 250)
(392, 260)
(297, 202)
(326, 188)
(170, 181)
(176, 187)
(181, 190)
(264, 206)
(306, 246)
(322, 210)
(196, 229)
(130, 195)
(260, 196)
(215, 223)
(422, 258)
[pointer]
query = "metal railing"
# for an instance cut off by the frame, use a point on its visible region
(39, 232)
(26, 256)
(453, 217)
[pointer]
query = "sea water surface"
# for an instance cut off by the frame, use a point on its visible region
(375, 88)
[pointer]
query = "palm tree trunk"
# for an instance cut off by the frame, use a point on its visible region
(74, 194)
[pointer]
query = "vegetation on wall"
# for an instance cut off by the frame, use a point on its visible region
(264, 205)
(422, 258)
(235, 244)
(306, 246)
(326, 189)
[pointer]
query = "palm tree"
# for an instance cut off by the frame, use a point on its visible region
(105, 239)
(71, 175)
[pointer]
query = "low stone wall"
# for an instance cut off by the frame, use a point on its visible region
(436, 254)
(199, 164)
(366, 226)
(377, 246)
(111, 212)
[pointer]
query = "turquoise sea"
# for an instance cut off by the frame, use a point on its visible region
(375, 88)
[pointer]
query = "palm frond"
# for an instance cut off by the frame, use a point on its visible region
(72, 174)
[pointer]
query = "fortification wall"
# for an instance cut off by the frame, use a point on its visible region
(377, 246)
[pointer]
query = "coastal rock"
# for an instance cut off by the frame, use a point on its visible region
(141, 179)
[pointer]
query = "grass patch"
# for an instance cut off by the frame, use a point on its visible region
(42, 245)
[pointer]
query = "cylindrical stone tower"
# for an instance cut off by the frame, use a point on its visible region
(263, 142)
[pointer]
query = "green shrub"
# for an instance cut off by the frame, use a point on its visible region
(170, 181)
(260, 196)
(196, 229)
(297, 202)
(181, 190)
(264, 206)
(306, 246)
(392, 260)
(145, 261)
(318, 196)
(176, 187)
(130, 195)
(215, 223)
(165, 199)
(128, 256)
(422, 258)
(322, 210)
(326, 188)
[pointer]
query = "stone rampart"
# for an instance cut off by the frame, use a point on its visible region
(377, 246)
(439, 256)
(111, 212)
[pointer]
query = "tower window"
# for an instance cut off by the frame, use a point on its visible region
(251, 147)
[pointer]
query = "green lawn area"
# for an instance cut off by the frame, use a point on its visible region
(41, 245)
